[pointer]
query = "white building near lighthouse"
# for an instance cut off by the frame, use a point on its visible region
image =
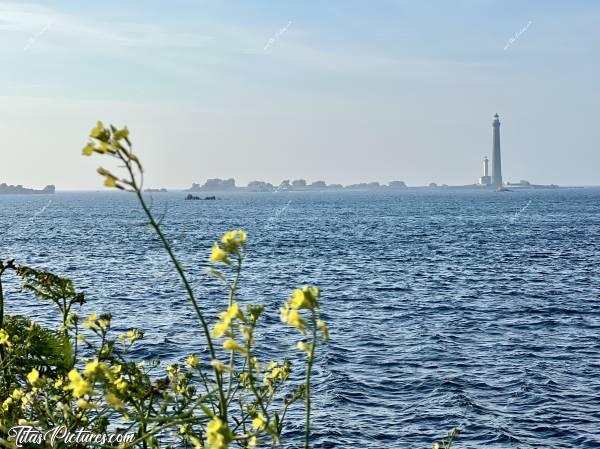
(486, 179)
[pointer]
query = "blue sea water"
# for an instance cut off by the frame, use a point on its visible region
(477, 310)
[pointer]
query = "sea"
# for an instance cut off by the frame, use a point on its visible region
(471, 309)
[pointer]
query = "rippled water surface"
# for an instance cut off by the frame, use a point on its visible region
(472, 309)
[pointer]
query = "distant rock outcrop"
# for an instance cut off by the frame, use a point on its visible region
(214, 185)
(260, 186)
(318, 185)
(364, 186)
(397, 185)
(156, 190)
(20, 190)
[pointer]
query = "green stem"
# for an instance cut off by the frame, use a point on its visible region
(1, 300)
(232, 292)
(2, 355)
(308, 373)
(138, 191)
(190, 294)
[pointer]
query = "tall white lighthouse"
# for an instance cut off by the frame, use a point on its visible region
(496, 160)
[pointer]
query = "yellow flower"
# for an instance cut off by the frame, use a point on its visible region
(219, 366)
(132, 336)
(93, 368)
(82, 403)
(305, 298)
(113, 400)
(33, 376)
(98, 130)
(121, 384)
(323, 328)
(192, 361)
(259, 422)
(233, 311)
(220, 329)
(218, 255)
(88, 150)
(91, 321)
(7, 403)
(436, 446)
(277, 373)
(17, 394)
(232, 345)
(293, 318)
(79, 386)
(233, 240)
(218, 435)
(121, 133)
(110, 182)
(304, 347)
(196, 442)
(4, 338)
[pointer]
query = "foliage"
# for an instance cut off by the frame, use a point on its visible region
(83, 376)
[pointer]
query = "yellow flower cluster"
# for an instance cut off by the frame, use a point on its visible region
(304, 298)
(33, 376)
(222, 327)
(78, 384)
(277, 373)
(83, 385)
(16, 396)
(94, 323)
(232, 345)
(4, 338)
(231, 244)
(192, 362)
(109, 141)
(259, 422)
(218, 435)
(131, 336)
(219, 366)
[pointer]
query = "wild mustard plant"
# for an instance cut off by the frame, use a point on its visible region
(83, 377)
(448, 442)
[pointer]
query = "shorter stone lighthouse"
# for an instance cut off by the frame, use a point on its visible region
(485, 180)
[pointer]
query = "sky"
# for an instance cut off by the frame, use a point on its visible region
(343, 91)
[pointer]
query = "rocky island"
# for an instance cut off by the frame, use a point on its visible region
(228, 185)
(6, 189)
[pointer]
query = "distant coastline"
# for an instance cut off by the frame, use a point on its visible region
(300, 185)
(6, 189)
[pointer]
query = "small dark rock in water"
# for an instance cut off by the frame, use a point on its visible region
(193, 197)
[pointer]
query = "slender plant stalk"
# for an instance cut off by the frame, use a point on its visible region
(232, 293)
(308, 373)
(1, 312)
(138, 191)
(1, 299)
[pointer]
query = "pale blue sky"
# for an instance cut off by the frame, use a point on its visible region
(348, 91)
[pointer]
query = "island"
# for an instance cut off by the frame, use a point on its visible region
(297, 185)
(163, 190)
(6, 189)
(215, 185)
